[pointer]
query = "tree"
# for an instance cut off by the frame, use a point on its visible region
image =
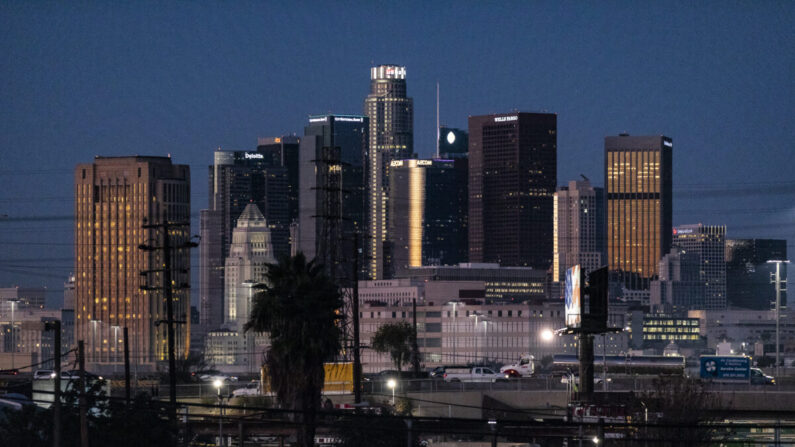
(681, 412)
(300, 307)
(395, 339)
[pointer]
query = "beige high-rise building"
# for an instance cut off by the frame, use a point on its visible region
(114, 197)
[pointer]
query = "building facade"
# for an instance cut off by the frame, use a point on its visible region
(391, 137)
(638, 180)
(679, 286)
(236, 179)
(512, 181)
(501, 284)
(332, 191)
(445, 235)
(245, 268)
(707, 243)
(748, 273)
(578, 228)
(114, 197)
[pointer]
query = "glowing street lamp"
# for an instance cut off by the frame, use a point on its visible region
(218, 384)
(547, 335)
(391, 384)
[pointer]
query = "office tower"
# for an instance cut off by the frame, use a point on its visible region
(678, 287)
(748, 275)
(236, 179)
(708, 244)
(512, 180)
(249, 253)
(114, 197)
(578, 228)
(283, 151)
(444, 240)
(391, 137)
(406, 214)
(638, 188)
(426, 221)
(331, 170)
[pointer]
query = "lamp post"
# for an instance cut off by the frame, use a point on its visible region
(391, 384)
(218, 384)
(778, 282)
(13, 332)
(115, 346)
(94, 340)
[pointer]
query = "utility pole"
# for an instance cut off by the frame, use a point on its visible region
(168, 290)
(56, 403)
(415, 350)
(126, 368)
(357, 361)
(778, 282)
(81, 356)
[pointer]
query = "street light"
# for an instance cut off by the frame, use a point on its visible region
(13, 332)
(547, 335)
(391, 384)
(218, 384)
(455, 327)
(778, 282)
(115, 346)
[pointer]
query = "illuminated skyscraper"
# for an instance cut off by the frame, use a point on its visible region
(391, 137)
(512, 180)
(114, 197)
(638, 188)
(579, 228)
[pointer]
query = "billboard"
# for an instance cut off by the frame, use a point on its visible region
(573, 296)
(725, 367)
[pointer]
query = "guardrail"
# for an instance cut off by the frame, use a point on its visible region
(529, 384)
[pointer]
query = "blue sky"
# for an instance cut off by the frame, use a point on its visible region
(96, 78)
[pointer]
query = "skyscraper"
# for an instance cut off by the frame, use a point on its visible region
(236, 179)
(707, 243)
(391, 137)
(406, 214)
(283, 151)
(512, 180)
(332, 190)
(444, 239)
(638, 188)
(578, 228)
(748, 274)
(249, 252)
(114, 197)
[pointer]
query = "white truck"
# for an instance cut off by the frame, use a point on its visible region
(523, 368)
(474, 374)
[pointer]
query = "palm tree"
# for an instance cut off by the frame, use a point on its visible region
(300, 307)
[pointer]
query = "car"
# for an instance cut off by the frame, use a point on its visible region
(74, 374)
(221, 377)
(438, 372)
(251, 389)
(44, 374)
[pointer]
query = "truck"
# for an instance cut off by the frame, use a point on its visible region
(474, 374)
(523, 368)
(732, 369)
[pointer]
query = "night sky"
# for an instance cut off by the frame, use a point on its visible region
(183, 78)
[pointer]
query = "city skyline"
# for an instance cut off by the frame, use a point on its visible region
(725, 115)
